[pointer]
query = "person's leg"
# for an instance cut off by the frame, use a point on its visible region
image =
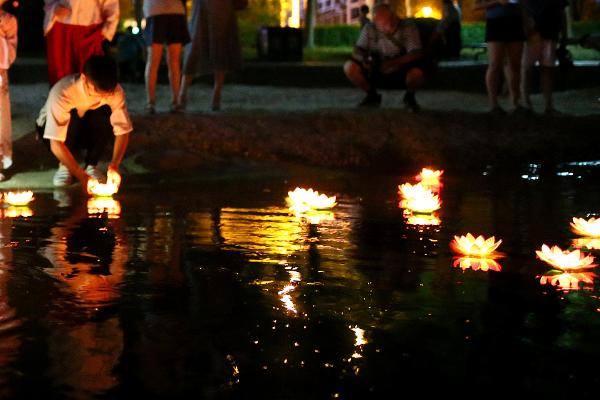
(531, 54)
(492, 76)
(186, 82)
(218, 87)
(514, 51)
(547, 69)
(415, 79)
(62, 176)
(356, 76)
(59, 52)
(98, 132)
(174, 64)
(5, 123)
(151, 73)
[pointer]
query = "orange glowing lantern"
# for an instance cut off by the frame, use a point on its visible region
(471, 246)
(99, 206)
(419, 199)
(423, 220)
(587, 243)
(18, 198)
(565, 260)
(569, 281)
(584, 227)
(302, 200)
(477, 264)
(430, 178)
(108, 189)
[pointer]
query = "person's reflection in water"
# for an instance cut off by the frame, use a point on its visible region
(88, 257)
(9, 341)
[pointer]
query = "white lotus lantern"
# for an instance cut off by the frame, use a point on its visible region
(583, 227)
(419, 199)
(108, 189)
(18, 198)
(430, 178)
(565, 260)
(472, 246)
(303, 200)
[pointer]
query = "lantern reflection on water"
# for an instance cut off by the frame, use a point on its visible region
(565, 260)
(18, 198)
(588, 243)
(99, 206)
(16, 212)
(585, 227)
(422, 219)
(570, 281)
(302, 200)
(477, 264)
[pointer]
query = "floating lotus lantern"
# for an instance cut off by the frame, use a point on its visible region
(589, 243)
(18, 198)
(302, 200)
(583, 227)
(565, 260)
(569, 281)
(430, 178)
(472, 246)
(108, 189)
(101, 205)
(477, 264)
(419, 199)
(18, 211)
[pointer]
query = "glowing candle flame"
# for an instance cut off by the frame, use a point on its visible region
(108, 189)
(430, 178)
(469, 245)
(302, 200)
(565, 260)
(569, 281)
(359, 336)
(477, 264)
(419, 199)
(18, 198)
(584, 227)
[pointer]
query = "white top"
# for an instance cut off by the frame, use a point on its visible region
(71, 93)
(85, 13)
(160, 7)
(8, 39)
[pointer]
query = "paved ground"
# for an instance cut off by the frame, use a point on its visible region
(260, 103)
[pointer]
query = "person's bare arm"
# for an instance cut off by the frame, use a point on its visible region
(64, 155)
(121, 142)
(395, 64)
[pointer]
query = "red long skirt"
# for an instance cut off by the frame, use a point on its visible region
(69, 47)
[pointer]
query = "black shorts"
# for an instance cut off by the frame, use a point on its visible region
(504, 29)
(395, 80)
(166, 28)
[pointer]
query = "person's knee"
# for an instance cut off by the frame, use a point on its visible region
(352, 69)
(415, 78)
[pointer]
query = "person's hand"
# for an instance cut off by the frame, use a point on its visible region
(89, 184)
(388, 67)
(62, 11)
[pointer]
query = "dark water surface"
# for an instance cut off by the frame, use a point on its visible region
(212, 289)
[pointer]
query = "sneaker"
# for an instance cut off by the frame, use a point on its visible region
(410, 102)
(150, 109)
(62, 176)
(176, 109)
(7, 162)
(95, 173)
(371, 100)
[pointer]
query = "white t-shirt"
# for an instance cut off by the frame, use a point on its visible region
(71, 93)
(84, 13)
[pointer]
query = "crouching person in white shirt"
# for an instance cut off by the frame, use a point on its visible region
(83, 113)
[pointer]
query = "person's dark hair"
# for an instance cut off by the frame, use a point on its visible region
(364, 9)
(102, 72)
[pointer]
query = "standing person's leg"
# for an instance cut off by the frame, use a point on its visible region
(186, 82)
(98, 134)
(547, 70)
(151, 74)
(218, 87)
(5, 124)
(87, 42)
(531, 54)
(492, 76)
(514, 52)
(174, 64)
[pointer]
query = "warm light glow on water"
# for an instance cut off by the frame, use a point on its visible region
(570, 281)
(16, 212)
(100, 205)
(477, 264)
